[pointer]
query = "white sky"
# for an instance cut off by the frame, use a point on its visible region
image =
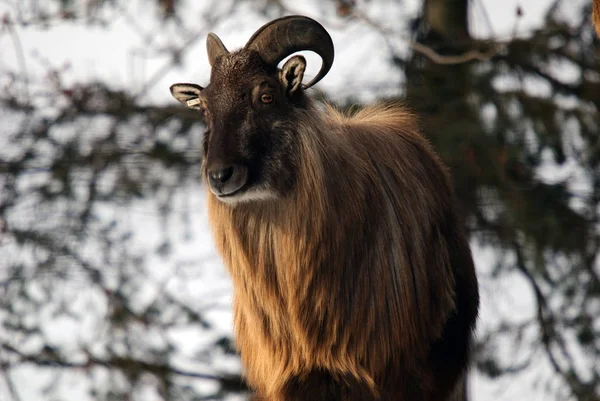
(119, 53)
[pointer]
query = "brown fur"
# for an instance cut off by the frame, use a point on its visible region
(346, 288)
(353, 277)
(596, 16)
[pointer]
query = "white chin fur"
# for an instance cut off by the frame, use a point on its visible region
(248, 196)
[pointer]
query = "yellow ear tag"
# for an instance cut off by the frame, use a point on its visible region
(193, 102)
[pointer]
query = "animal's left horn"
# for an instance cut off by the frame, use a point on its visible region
(215, 48)
(280, 38)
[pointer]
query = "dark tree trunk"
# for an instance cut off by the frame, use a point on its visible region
(439, 92)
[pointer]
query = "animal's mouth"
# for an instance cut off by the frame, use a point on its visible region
(246, 194)
(233, 194)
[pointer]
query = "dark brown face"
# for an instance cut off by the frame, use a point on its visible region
(250, 106)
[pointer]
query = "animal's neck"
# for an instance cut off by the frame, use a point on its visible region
(258, 240)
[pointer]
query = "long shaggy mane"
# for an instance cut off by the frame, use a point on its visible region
(353, 272)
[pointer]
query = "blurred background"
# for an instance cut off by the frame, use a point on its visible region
(110, 288)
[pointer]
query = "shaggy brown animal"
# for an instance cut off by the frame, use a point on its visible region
(353, 277)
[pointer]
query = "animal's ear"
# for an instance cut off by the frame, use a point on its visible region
(292, 73)
(188, 94)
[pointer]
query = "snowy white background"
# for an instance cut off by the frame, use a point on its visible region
(120, 54)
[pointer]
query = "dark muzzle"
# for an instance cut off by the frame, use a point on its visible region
(226, 180)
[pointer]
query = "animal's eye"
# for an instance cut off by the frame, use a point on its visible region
(266, 98)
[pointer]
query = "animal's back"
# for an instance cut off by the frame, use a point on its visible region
(427, 271)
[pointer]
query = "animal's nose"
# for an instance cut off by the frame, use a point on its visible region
(224, 180)
(221, 175)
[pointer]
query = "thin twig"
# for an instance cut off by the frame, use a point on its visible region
(428, 52)
(121, 363)
(14, 394)
(548, 331)
(471, 55)
(8, 24)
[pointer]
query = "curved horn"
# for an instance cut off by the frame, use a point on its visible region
(280, 38)
(215, 48)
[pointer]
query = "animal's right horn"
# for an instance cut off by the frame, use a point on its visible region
(215, 48)
(280, 38)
